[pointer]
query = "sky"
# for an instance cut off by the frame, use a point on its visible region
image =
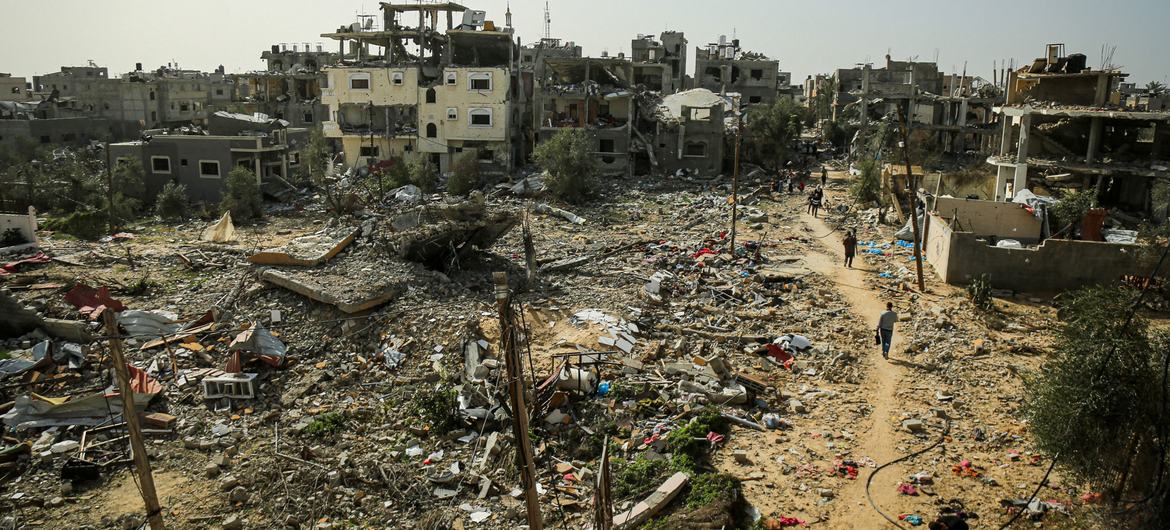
(807, 37)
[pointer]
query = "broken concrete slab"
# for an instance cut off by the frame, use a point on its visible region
(653, 504)
(307, 251)
(350, 300)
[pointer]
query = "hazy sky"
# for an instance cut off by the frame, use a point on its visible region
(806, 37)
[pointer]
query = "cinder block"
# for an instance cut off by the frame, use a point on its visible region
(234, 386)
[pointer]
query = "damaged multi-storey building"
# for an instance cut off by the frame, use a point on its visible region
(950, 112)
(406, 87)
(1061, 130)
(723, 67)
(49, 121)
(669, 51)
(165, 97)
(289, 88)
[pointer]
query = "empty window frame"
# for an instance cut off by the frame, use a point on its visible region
(294, 159)
(452, 78)
(479, 81)
(431, 96)
(695, 149)
(209, 169)
(359, 81)
(432, 130)
(397, 78)
(369, 150)
(160, 165)
(479, 117)
(452, 114)
(606, 145)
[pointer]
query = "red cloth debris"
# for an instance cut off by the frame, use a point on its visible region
(714, 437)
(783, 522)
(10, 268)
(83, 296)
(907, 489)
(703, 252)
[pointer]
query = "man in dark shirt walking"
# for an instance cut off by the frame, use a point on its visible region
(850, 242)
(886, 328)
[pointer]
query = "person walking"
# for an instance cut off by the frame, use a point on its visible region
(850, 242)
(814, 200)
(824, 177)
(885, 329)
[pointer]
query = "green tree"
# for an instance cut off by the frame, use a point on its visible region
(126, 187)
(866, 189)
(1070, 210)
(172, 202)
(1156, 88)
(242, 197)
(465, 176)
(569, 162)
(1098, 400)
(317, 156)
(422, 173)
(772, 132)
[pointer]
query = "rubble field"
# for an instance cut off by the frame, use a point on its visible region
(321, 372)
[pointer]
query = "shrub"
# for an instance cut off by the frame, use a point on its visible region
(83, 224)
(465, 176)
(171, 202)
(422, 173)
(980, 292)
(709, 488)
(326, 424)
(569, 162)
(242, 197)
(638, 478)
(691, 440)
(1070, 210)
(439, 409)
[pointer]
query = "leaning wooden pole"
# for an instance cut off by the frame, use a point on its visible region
(602, 500)
(516, 391)
(130, 413)
(905, 126)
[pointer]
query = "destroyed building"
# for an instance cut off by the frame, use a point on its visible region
(670, 51)
(1059, 130)
(952, 113)
(165, 97)
(50, 121)
(594, 94)
(289, 88)
(683, 133)
(201, 160)
(14, 88)
(407, 87)
(724, 67)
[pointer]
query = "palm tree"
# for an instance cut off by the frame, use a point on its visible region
(1156, 88)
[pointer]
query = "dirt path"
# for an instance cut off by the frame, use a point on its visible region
(876, 437)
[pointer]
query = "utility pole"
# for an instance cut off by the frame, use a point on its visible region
(905, 126)
(516, 400)
(130, 414)
(109, 190)
(735, 179)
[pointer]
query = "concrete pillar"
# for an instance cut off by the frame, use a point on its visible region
(1005, 136)
(960, 143)
(1102, 94)
(1021, 177)
(1097, 125)
(1161, 139)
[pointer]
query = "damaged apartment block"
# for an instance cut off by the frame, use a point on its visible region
(410, 88)
(951, 112)
(593, 94)
(290, 87)
(723, 67)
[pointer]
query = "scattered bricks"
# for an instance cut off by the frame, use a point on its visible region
(233, 522)
(915, 426)
(158, 420)
(234, 386)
